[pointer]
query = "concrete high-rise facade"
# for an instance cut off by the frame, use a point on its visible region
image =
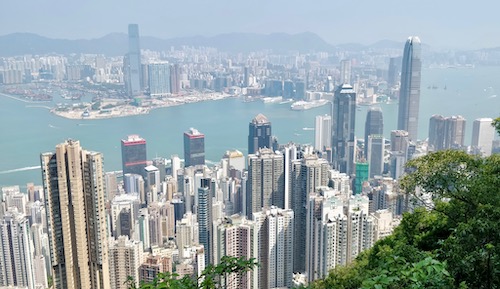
(409, 94)
(259, 134)
(194, 148)
(394, 71)
(134, 157)
(235, 236)
(275, 248)
(159, 78)
(175, 79)
(73, 181)
(308, 174)
(125, 257)
(483, 134)
(374, 124)
(204, 217)
(436, 132)
(345, 72)
(323, 132)
(133, 69)
(338, 229)
(16, 260)
(266, 181)
(343, 122)
(399, 152)
(446, 132)
(375, 154)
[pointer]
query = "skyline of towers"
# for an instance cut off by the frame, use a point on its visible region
(259, 134)
(409, 93)
(194, 148)
(134, 155)
(343, 124)
(446, 132)
(74, 183)
(133, 69)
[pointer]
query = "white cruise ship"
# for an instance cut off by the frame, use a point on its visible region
(304, 105)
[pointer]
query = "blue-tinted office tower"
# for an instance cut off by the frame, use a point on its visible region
(343, 120)
(374, 125)
(194, 148)
(259, 134)
(133, 69)
(409, 94)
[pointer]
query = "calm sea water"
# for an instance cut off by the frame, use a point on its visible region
(26, 131)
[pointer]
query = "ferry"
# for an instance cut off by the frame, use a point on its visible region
(272, 99)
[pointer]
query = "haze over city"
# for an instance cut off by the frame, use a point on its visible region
(441, 24)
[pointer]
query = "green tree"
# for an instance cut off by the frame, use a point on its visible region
(213, 277)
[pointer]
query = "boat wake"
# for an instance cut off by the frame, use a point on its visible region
(20, 170)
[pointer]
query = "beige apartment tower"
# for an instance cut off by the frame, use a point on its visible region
(73, 181)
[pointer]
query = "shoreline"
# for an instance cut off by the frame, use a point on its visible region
(127, 110)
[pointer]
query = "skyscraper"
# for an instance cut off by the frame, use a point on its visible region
(394, 71)
(133, 69)
(446, 132)
(455, 132)
(204, 217)
(345, 72)
(175, 81)
(375, 154)
(374, 125)
(159, 78)
(275, 247)
(266, 181)
(409, 94)
(399, 152)
(73, 180)
(125, 257)
(483, 134)
(343, 121)
(134, 158)
(259, 134)
(436, 132)
(323, 132)
(194, 148)
(308, 174)
(16, 260)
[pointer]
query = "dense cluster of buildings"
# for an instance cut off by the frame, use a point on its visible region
(300, 210)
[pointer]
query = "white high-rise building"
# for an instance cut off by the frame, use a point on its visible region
(483, 134)
(323, 132)
(275, 248)
(337, 231)
(16, 259)
(125, 257)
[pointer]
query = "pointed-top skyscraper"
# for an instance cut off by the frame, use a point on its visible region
(259, 134)
(409, 94)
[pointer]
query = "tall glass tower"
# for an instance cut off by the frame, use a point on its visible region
(343, 120)
(259, 134)
(133, 77)
(409, 94)
(374, 125)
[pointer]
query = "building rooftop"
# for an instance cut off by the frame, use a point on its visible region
(260, 119)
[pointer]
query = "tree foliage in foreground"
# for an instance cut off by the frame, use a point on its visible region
(456, 244)
(212, 277)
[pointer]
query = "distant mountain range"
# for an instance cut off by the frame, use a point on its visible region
(117, 43)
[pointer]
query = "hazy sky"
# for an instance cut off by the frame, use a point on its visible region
(440, 23)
